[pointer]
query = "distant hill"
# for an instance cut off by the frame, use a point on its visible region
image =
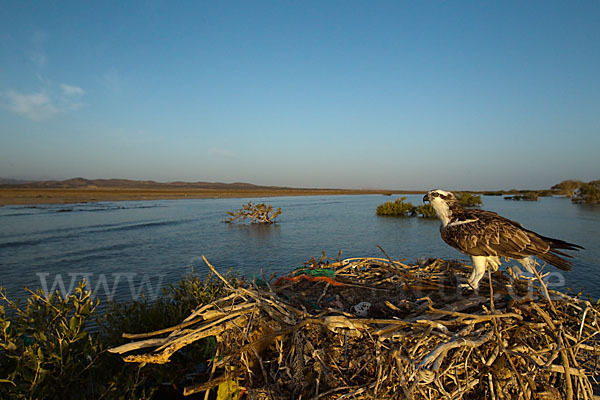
(8, 181)
(79, 182)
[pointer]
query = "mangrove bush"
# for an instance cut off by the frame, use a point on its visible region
(257, 213)
(396, 208)
(467, 199)
(588, 193)
(401, 208)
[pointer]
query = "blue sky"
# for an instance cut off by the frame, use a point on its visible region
(367, 94)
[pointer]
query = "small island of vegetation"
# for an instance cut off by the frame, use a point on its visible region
(257, 213)
(580, 192)
(400, 208)
(530, 196)
(588, 193)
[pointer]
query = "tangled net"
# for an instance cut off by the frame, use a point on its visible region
(377, 328)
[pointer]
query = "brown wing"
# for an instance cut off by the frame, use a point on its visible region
(492, 235)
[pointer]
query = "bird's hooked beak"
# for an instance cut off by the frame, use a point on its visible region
(426, 198)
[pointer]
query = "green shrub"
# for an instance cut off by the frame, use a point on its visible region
(396, 208)
(48, 349)
(425, 211)
(467, 199)
(588, 193)
(401, 208)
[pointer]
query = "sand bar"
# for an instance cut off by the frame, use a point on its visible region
(26, 196)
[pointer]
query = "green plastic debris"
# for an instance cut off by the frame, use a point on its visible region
(315, 272)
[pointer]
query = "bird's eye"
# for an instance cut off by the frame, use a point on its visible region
(435, 194)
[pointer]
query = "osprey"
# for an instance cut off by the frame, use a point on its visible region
(487, 236)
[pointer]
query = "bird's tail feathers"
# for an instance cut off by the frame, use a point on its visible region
(555, 256)
(555, 260)
(561, 244)
(560, 253)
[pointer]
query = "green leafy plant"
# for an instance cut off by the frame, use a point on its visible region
(46, 346)
(467, 199)
(396, 208)
(401, 208)
(258, 213)
(56, 347)
(425, 211)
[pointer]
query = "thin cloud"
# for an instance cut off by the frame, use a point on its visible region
(43, 104)
(50, 98)
(34, 106)
(71, 90)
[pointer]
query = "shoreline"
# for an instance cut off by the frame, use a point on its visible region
(32, 196)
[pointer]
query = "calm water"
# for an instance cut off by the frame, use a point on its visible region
(125, 246)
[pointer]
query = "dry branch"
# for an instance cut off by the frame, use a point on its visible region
(257, 213)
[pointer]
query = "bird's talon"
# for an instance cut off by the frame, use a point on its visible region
(467, 288)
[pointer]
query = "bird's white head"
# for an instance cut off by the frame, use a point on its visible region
(442, 202)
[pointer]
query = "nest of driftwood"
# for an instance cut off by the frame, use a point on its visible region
(377, 328)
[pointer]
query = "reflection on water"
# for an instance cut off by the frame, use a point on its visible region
(257, 231)
(118, 245)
